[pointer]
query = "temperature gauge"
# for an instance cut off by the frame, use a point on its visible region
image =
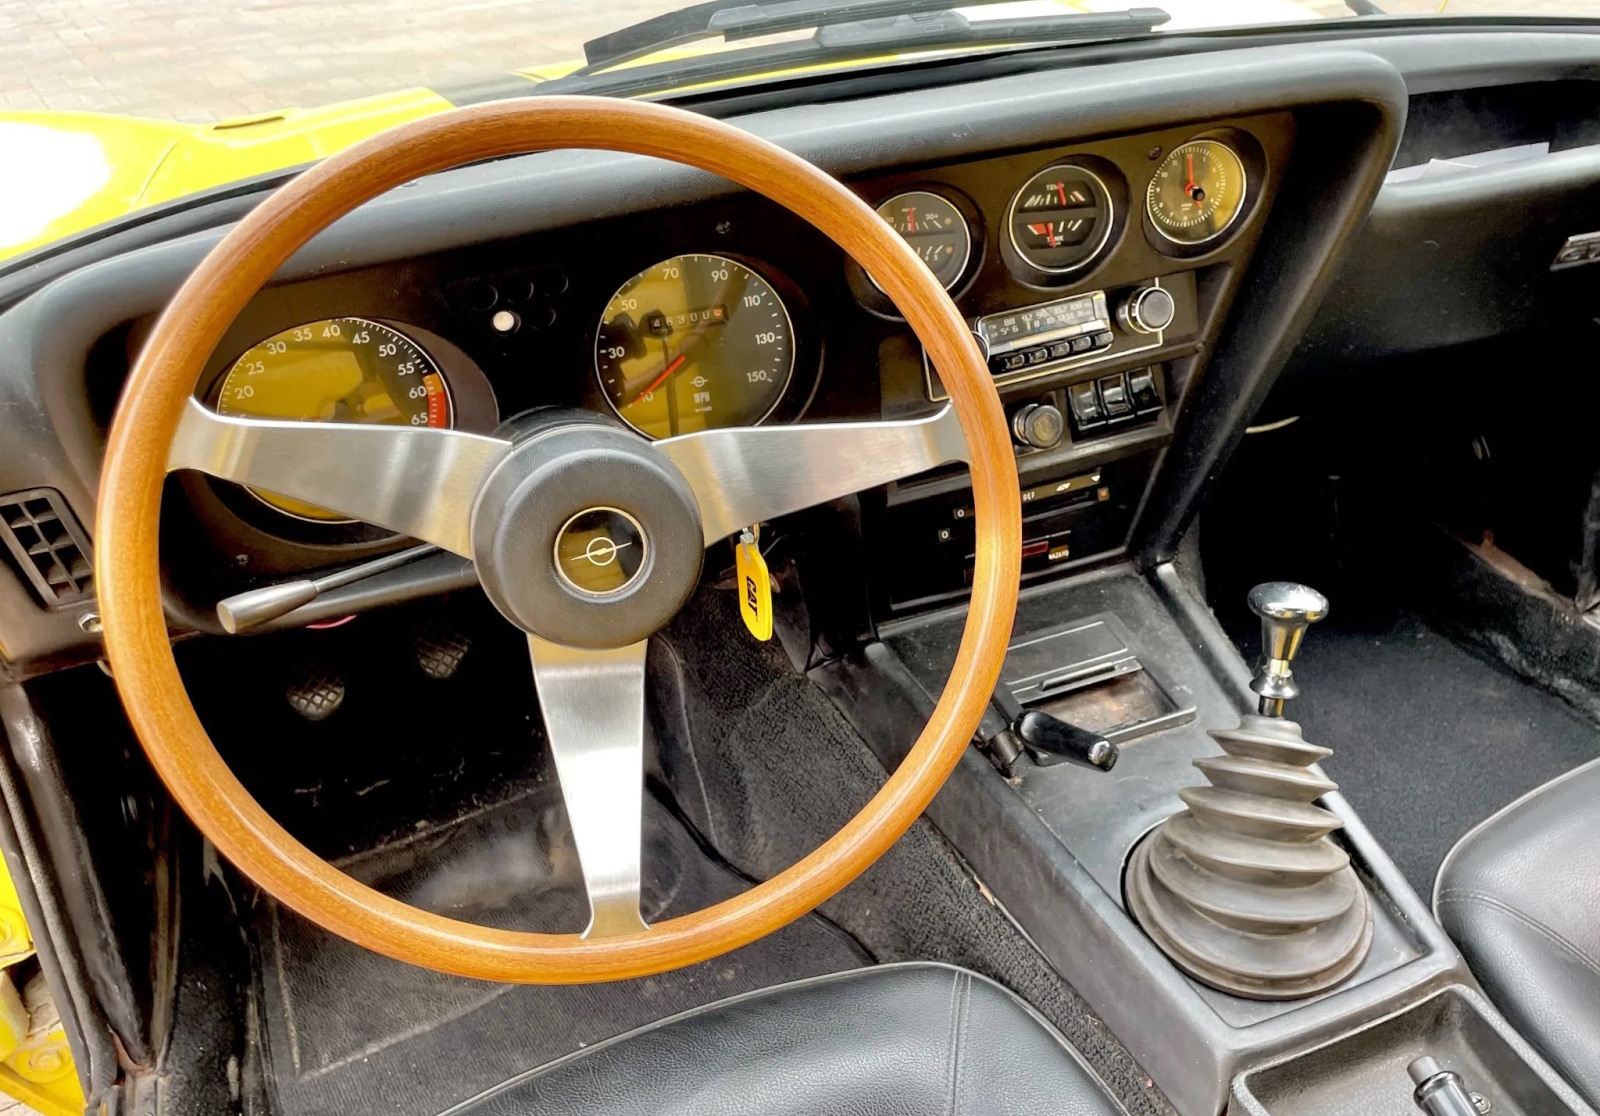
(1060, 219)
(935, 229)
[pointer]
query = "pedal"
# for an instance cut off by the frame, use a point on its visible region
(440, 649)
(316, 694)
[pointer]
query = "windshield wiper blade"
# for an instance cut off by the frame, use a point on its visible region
(732, 20)
(942, 29)
(950, 28)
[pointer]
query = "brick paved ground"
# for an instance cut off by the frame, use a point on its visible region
(203, 60)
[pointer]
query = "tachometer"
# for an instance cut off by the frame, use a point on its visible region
(335, 370)
(1197, 192)
(694, 343)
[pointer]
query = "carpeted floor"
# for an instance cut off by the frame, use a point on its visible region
(763, 767)
(1428, 738)
(350, 1031)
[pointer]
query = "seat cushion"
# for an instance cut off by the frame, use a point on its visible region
(897, 1040)
(1520, 894)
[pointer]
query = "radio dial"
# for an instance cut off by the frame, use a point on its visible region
(1148, 310)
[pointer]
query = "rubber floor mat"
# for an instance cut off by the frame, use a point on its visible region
(348, 1031)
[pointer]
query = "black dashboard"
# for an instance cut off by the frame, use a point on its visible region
(1131, 339)
(1090, 326)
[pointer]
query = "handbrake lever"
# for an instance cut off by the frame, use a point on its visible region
(1008, 729)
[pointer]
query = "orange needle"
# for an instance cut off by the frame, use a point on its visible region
(673, 366)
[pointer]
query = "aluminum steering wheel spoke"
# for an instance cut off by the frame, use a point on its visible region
(593, 708)
(421, 481)
(748, 474)
(418, 481)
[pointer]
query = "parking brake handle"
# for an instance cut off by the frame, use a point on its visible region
(1008, 729)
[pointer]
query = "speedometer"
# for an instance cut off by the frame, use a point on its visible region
(335, 370)
(694, 343)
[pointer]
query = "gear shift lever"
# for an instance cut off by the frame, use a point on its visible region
(1243, 889)
(1286, 610)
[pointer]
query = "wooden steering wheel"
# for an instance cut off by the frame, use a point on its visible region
(509, 502)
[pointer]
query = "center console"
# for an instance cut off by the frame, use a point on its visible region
(1090, 406)
(1139, 660)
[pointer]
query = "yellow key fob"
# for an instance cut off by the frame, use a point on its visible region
(755, 585)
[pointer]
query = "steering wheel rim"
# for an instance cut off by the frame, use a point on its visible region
(162, 384)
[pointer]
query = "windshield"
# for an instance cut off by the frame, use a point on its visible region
(114, 106)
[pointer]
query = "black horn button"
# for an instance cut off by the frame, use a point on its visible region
(586, 536)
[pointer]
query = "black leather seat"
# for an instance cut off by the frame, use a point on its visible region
(1520, 894)
(898, 1040)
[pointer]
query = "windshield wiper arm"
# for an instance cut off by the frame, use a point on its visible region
(732, 20)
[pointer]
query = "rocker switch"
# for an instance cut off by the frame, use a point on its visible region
(1142, 385)
(1084, 402)
(1114, 396)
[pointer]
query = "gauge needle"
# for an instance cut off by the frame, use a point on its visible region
(696, 337)
(672, 366)
(1189, 187)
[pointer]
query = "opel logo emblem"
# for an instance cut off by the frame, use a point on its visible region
(600, 551)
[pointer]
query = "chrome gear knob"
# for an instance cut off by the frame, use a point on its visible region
(1286, 609)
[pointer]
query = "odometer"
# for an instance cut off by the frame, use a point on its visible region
(335, 370)
(694, 343)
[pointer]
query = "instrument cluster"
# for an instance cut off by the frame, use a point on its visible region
(730, 330)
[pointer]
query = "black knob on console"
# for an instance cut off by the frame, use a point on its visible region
(1038, 425)
(1148, 310)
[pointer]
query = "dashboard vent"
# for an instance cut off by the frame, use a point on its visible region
(48, 544)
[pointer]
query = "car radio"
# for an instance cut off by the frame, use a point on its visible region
(1069, 333)
(1042, 334)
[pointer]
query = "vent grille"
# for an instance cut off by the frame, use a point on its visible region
(48, 545)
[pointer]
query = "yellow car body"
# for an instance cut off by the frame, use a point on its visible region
(89, 168)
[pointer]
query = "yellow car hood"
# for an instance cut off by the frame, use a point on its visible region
(80, 169)
(83, 169)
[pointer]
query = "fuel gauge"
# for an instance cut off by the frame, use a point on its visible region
(935, 229)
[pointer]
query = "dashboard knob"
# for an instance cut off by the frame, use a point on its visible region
(1038, 425)
(1148, 310)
